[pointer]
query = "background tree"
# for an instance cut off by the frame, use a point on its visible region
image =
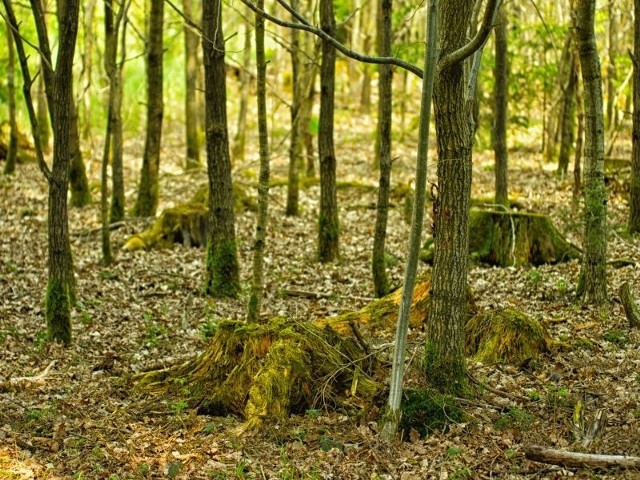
(501, 99)
(240, 138)
(147, 201)
(593, 275)
(383, 149)
(191, 82)
(295, 140)
(222, 270)
(12, 150)
(634, 190)
(328, 224)
(257, 284)
(88, 10)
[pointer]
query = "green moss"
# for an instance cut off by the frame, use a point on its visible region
(328, 238)
(380, 278)
(58, 312)
(446, 373)
(515, 418)
(428, 411)
(222, 270)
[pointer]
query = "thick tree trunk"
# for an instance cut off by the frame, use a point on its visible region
(328, 226)
(12, 150)
(501, 99)
(222, 270)
(147, 201)
(257, 284)
(593, 275)
(383, 150)
(445, 363)
(634, 190)
(191, 81)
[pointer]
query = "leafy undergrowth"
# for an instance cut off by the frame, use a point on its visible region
(78, 417)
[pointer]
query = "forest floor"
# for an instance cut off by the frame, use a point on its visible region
(77, 415)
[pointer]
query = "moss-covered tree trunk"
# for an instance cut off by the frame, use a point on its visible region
(593, 281)
(501, 102)
(12, 149)
(328, 226)
(634, 191)
(445, 363)
(191, 81)
(383, 150)
(147, 201)
(295, 140)
(222, 276)
(257, 283)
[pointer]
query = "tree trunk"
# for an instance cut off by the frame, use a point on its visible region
(634, 190)
(577, 159)
(593, 275)
(328, 227)
(117, 173)
(87, 66)
(568, 119)
(191, 81)
(222, 270)
(383, 150)
(501, 99)
(12, 150)
(445, 363)
(44, 130)
(296, 146)
(240, 138)
(147, 201)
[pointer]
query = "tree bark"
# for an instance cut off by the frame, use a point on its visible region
(12, 150)
(117, 171)
(634, 190)
(580, 460)
(593, 275)
(568, 119)
(240, 138)
(191, 81)
(87, 66)
(383, 150)
(222, 270)
(257, 285)
(328, 226)
(147, 201)
(445, 363)
(295, 147)
(501, 99)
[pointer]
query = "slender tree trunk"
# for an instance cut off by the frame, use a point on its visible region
(383, 160)
(191, 82)
(240, 138)
(257, 286)
(147, 201)
(611, 113)
(117, 173)
(568, 119)
(577, 159)
(306, 107)
(44, 130)
(634, 191)
(501, 99)
(12, 151)
(87, 66)
(593, 275)
(295, 146)
(328, 227)
(222, 270)
(445, 362)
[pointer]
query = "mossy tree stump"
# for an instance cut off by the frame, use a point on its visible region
(269, 370)
(186, 223)
(513, 238)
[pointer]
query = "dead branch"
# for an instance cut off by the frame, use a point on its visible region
(578, 460)
(629, 305)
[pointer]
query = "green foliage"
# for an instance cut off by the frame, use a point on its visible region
(174, 469)
(427, 411)
(515, 418)
(327, 443)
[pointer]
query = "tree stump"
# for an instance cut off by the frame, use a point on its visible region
(513, 238)
(186, 223)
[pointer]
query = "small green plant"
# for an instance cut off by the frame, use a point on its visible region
(174, 469)
(453, 451)
(534, 396)
(562, 286)
(208, 329)
(178, 407)
(534, 278)
(144, 469)
(615, 336)
(557, 395)
(241, 469)
(327, 443)
(515, 418)
(85, 315)
(461, 474)
(312, 413)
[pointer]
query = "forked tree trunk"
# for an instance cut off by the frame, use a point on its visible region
(222, 270)
(12, 150)
(445, 363)
(147, 201)
(191, 81)
(257, 284)
(634, 190)
(328, 226)
(593, 275)
(501, 99)
(383, 150)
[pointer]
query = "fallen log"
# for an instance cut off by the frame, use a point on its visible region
(579, 460)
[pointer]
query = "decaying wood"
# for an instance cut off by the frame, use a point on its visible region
(630, 307)
(596, 428)
(577, 460)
